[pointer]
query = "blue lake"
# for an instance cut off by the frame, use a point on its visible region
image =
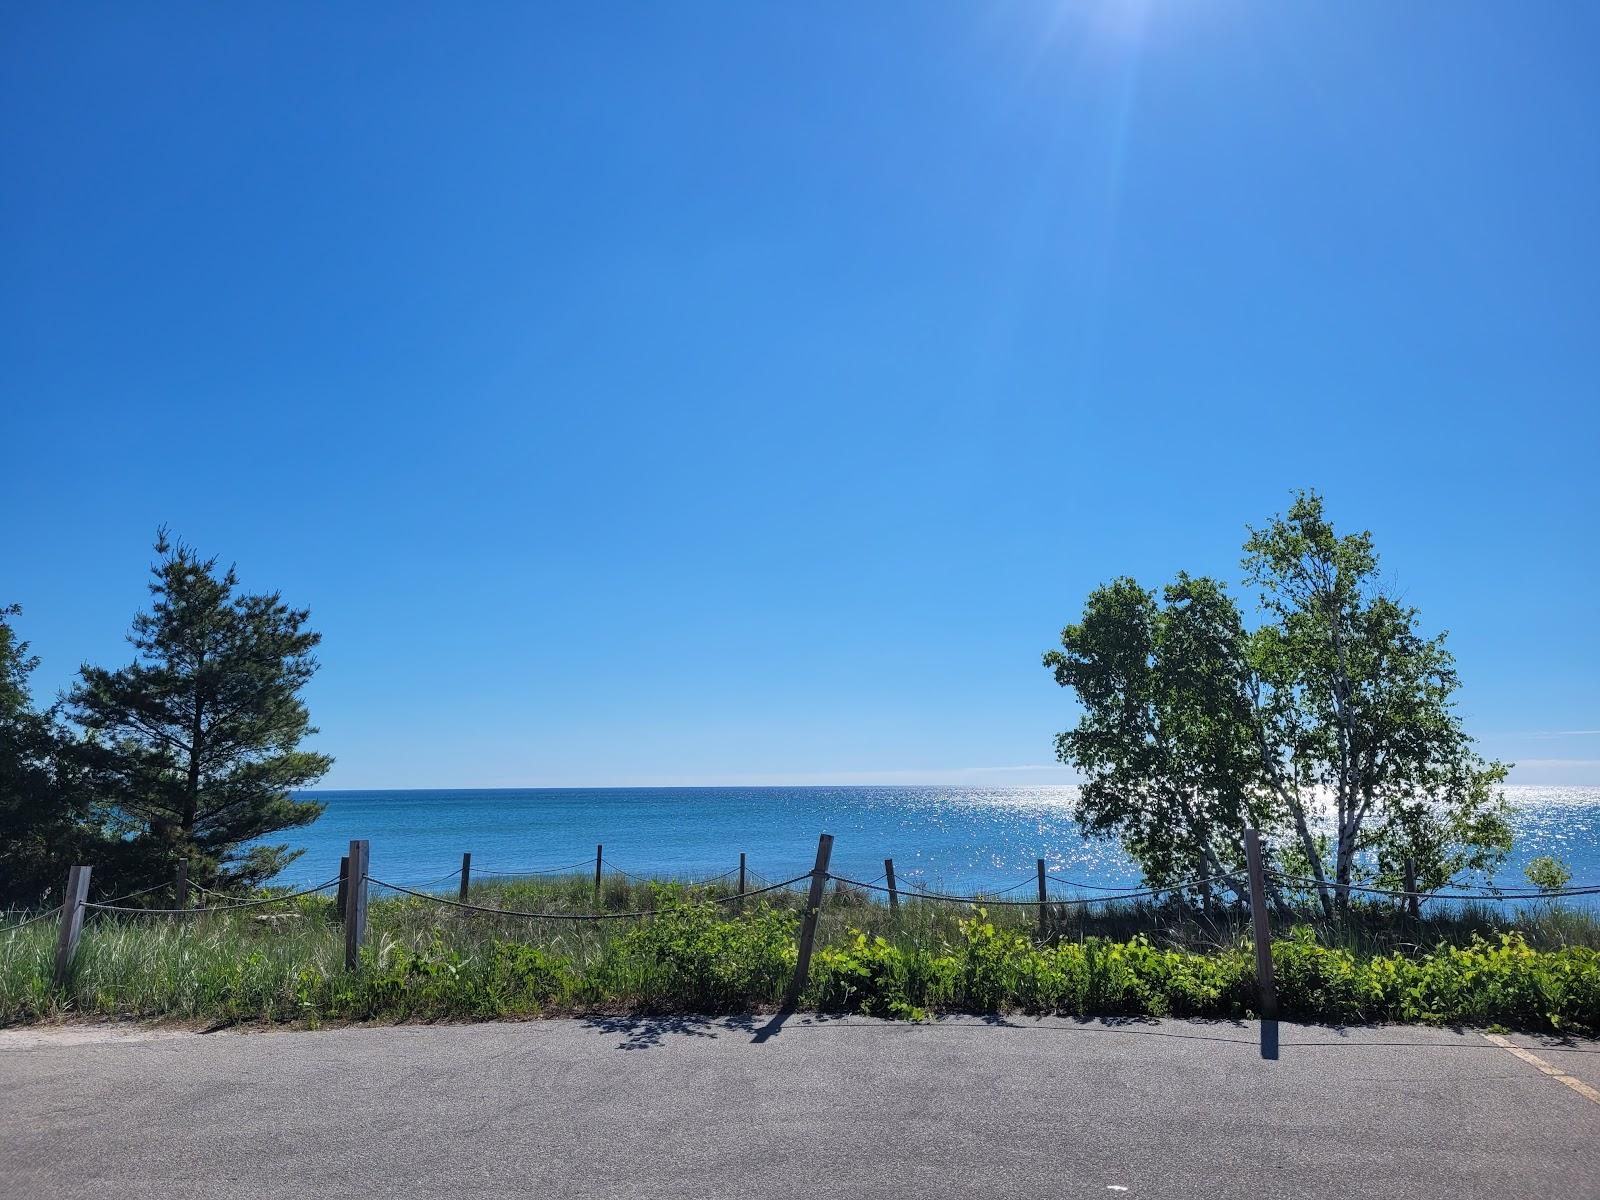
(960, 839)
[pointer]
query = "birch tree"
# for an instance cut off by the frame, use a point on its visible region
(1355, 720)
(1331, 726)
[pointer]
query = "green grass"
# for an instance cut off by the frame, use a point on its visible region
(1537, 969)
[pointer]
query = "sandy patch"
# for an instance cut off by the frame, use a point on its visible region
(32, 1037)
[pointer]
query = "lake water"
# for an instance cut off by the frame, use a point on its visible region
(958, 839)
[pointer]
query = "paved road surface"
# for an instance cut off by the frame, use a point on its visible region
(814, 1108)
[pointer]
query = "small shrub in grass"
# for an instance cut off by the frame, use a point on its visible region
(1502, 981)
(1322, 984)
(689, 957)
(1505, 982)
(501, 979)
(870, 976)
(988, 970)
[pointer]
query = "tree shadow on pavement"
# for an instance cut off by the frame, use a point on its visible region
(644, 1033)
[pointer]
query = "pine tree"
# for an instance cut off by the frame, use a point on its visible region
(197, 742)
(47, 819)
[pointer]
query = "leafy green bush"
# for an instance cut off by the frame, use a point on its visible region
(502, 979)
(1487, 982)
(870, 976)
(1506, 983)
(1323, 984)
(990, 969)
(688, 957)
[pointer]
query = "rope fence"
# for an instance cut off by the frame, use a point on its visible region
(571, 916)
(354, 881)
(1496, 895)
(990, 900)
(154, 887)
(44, 916)
(217, 908)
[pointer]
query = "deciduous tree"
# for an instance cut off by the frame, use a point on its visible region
(1331, 726)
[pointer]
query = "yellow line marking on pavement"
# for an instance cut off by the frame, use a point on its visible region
(1556, 1073)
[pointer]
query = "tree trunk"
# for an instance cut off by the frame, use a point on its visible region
(191, 798)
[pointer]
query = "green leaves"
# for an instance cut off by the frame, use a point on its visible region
(1547, 873)
(48, 819)
(1330, 726)
(197, 740)
(1164, 745)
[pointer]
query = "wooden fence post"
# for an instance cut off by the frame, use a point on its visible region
(1258, 921)
(72, 902)
(466, 874)
(180, 885)
(355, 904)
(894, 894)
(1413, 905)
(741, 881)
(599, 852)
(808, 927)
(1044, 910)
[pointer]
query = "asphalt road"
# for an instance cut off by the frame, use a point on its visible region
(811, 1108)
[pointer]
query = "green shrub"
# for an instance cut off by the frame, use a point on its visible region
(877, 979)
(690, 957)
(990, 970)
(1322, 984)
(500, 980)
(1505, 982)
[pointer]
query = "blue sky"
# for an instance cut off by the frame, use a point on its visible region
(749, 393)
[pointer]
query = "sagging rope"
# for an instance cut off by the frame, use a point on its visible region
(141, 892)
(1584, 890)
(519, 872)
(558, 916)
(50, 912)
(1093, 887)
(609, 865)
(190, 912)
(1077, 900)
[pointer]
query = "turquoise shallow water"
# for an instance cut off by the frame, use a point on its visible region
(959, 839)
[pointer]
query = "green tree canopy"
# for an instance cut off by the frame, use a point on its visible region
(48, 820)
(1331, 726)
(198, 740)
(1164, 746)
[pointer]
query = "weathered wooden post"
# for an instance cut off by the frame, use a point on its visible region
(466, 874)
(808, 926)
(72, 902)
(894, 894)
(180, 885)
(344, 888)
(355, 904)
(599, 852)
(1044, 911)
(1258, 921)
(1413, 905)
(741, 881)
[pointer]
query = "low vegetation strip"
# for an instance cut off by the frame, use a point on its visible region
(1537, 969)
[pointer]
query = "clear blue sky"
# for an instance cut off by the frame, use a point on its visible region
(750, 392)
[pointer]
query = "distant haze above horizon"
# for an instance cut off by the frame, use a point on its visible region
(740, 394)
